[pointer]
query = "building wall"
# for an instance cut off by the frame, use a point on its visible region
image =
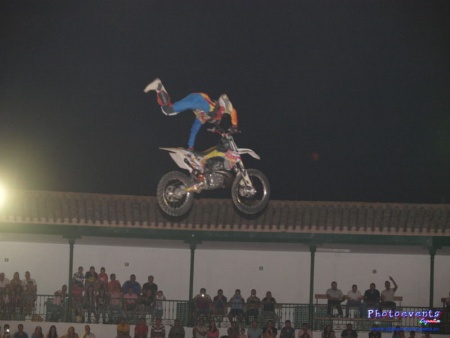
(286, 274)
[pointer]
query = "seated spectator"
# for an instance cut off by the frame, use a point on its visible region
(129, 301)
(372, 297)
(253, 305)
(123, 329)
(200, 330)
(412, 334)
(158, 330)
(102, 278)
(177, 331)
(287, 331)
(254, 331)
(233, 331)
(374, 332)
(150, 285)
(70, 333)
(219, 304)
(354, 298)
(37, 332)
(133, 285)
(78, 278)
(90, 278)
(202, 304)
(52, 332)
(387, 296)
(335, 298)
(159, 308)
(304, 331)
(141, 329)
(87, 332)
(270, 331)
(20, 333)
(243, 334)
(328, 332)
(349, 332)
(213, 331)
(236, 307)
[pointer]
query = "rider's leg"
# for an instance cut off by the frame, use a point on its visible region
(162, 96)
(194, 131)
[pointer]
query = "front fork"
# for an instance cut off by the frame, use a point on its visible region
(247, 183)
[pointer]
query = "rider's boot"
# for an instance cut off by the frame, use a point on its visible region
(162, 96)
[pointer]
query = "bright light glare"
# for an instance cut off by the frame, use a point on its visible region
(2, 195)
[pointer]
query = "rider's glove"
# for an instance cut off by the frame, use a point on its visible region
(233, 129)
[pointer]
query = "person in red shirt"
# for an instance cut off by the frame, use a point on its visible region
(141, 329)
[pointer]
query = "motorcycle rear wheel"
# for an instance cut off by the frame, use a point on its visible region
(244, 200)
(172, 196)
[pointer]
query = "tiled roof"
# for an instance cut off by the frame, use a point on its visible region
(97, 210)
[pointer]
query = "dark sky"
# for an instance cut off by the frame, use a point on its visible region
(343, 100)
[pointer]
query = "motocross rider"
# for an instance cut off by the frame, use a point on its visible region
(205, 109)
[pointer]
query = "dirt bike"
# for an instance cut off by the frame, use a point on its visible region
(217, 167)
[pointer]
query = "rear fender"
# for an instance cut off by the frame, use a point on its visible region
(178, 155)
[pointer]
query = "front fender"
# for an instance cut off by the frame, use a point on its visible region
(242, 151)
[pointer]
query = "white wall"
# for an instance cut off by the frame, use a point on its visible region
(286, 274)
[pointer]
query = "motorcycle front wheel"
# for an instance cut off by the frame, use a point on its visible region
(172, 196)
(248, 201)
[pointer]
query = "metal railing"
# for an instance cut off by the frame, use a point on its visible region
(73, 309)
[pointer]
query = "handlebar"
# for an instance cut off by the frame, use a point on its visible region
(222, 132)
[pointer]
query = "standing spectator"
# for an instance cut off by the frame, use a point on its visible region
(20, 333)
(78, 278)
(87, 332)
(3, 282)
(177, 331)
(58, 304)
(287, 331)
(335, 298)
(233, 330)
(159, 307)
(141, 329)
(236, 307)
(387, 296)
(268, 307)
(6, 333)
(28, 279)
(254, 331)
(90, 278)
(115, 308)
(150, 285)
(304, 331)
(213, 332)
(70, 333)
(269, 331)
(354, 298)
(52, 333)
(129, 301)
(90, 303)
(219, 304)
(37, 333)
(102, 277)
(200, 330)
(147, 302)
(253, 305)
(328, 332)
(158, 330)
(29, 298)
(131, 283)
(202, 304)
(113, 283)
(101, 303)
(16, 295)
(349, 332)
(123, 329)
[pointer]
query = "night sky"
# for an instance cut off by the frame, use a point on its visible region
(343, 100)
